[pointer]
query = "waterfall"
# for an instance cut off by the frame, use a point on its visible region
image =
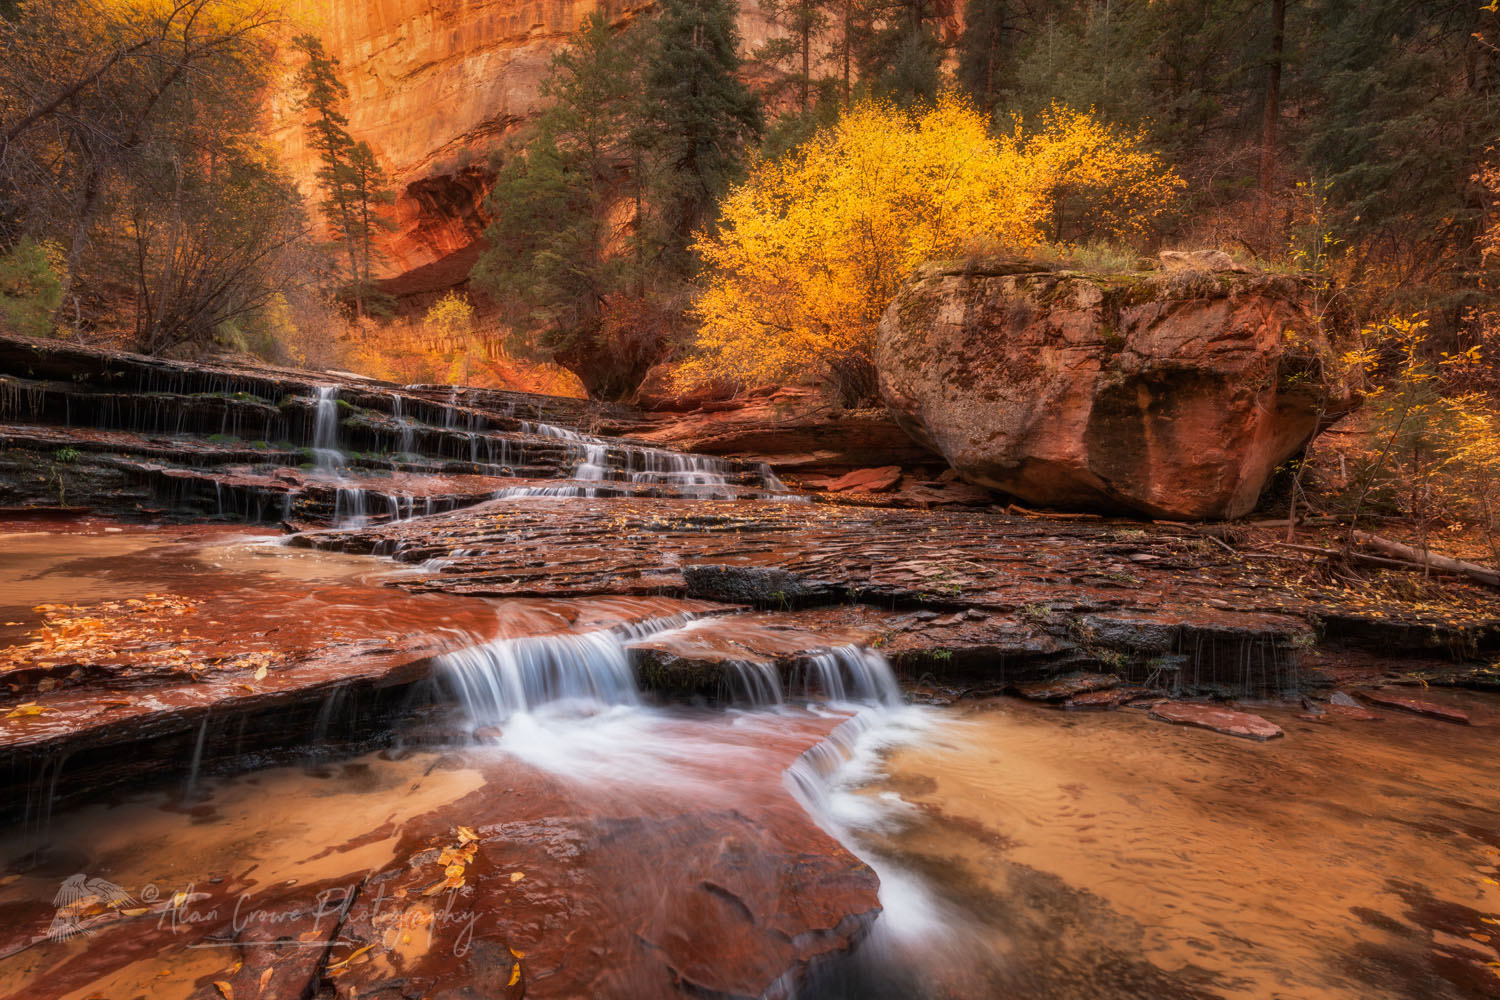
(326, 429)
(599, 460)
(849, 674)
(497, 680)
(501, 679)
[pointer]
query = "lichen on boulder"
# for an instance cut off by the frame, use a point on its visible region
(1173, 393)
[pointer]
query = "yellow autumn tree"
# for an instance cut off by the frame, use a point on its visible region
(813, 246)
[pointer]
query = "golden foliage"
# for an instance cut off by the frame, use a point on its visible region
(814, 246)
(449, 346)
(1434, 456)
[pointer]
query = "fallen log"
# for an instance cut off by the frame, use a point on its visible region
(1428, 560)
(1410, 559)
(1360, 557)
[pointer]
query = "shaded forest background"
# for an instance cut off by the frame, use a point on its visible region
(691, 214)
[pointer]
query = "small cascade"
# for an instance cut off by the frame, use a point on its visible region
(771, 480)
(848, 674)
(507, 677)
(326, 429)
(197, 761)
(406, 436)
(349, 506)
(512, 676)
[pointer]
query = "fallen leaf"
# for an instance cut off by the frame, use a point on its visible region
(265, 977)
(517, 876)
(260, 674)
(225, 989)
(25, 711)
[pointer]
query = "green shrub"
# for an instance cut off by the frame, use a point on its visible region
(30, 288)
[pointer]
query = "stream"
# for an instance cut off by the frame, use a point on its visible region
(631, 848)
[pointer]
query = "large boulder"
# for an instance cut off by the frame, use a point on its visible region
(1171, 393)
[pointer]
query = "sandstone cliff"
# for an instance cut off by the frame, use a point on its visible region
(434, 86)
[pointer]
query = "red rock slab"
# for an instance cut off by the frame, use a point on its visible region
(1106, 698)
(1071, 686)
(577, 890)
(1353, 713)
(1220, 720)
(867, 480)
(1405, 702)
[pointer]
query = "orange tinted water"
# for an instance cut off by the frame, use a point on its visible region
(1108, 855)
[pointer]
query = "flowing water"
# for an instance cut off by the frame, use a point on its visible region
(1021, 852)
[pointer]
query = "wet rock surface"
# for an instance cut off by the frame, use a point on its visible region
(1219, 719)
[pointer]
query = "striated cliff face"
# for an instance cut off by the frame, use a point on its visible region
(434, 85)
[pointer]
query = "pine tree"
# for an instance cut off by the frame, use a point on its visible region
(556, 252)
(901, 56)
(349, 173)
(804, 22)
(986, 47)
(697, 114)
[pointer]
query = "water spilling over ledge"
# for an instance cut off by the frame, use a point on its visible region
(649, 710)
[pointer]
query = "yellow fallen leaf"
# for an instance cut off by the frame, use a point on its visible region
(225, 989)
(135, 911)
(265, 977)
(25, 711)
(454, 871)
(517, 876)
(515, 974)
(466, 835)
(351, 957)
(260, 674)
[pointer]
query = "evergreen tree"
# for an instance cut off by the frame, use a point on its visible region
(901, 55)
(986, 47)
(803, 23)
(349, 173)
(1408, 108)
(697, 113)
(556, 252)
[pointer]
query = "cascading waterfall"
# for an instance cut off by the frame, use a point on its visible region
(326, 429)
(507, 677)
(849, 674)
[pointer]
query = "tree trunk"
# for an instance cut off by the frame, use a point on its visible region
(1272, 112)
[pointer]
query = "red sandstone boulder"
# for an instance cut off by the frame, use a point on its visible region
(1173, 394)
(657, 393)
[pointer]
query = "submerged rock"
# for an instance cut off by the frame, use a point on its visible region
(1173, 394)
(1418, 706)
(1220, 720)
(1058, 688)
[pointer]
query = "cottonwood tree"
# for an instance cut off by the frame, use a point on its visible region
(128, 137)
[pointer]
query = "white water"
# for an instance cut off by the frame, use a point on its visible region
(326, 429)
(570, 672)
(599, 460)
(827, 780)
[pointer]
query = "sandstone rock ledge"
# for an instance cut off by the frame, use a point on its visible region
(1173, 394)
